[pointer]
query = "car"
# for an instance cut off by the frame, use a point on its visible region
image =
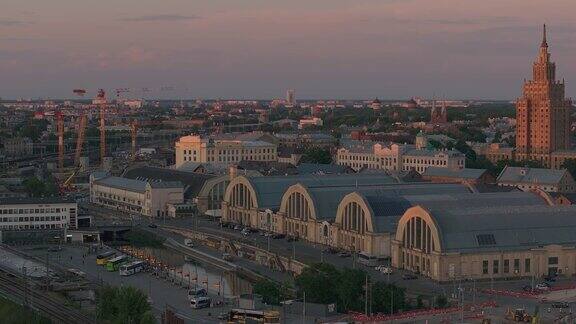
(384, 269)
(527, 288)
(330, 250)
(543, 286)
(409, 276)
(278, 236)
(152, 225)
(344, 254)
(268, 234)
(223, 316)
(550, 278)
(237, 228)
(560, 305)
(245, 232)
(291, 238)
(54, 249)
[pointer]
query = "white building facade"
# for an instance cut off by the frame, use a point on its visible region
(194, 148)
(20, 214)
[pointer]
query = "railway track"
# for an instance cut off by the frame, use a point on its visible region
(16, 288)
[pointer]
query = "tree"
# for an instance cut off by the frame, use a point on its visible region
(34, 187)
(317, 155)
(123, 305)
(350, 290)
(271, 292)
(441, 301)
(387, 298)
(318, 281)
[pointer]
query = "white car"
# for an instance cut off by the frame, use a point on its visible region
(542, 286)
(384, 269)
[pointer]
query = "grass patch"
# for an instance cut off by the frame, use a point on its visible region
(12, 313)
(140, 238)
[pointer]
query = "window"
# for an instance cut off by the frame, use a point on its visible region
(527, 265)
(506, 266)
(553, 260)
(495, 266)
(485, 267)
(516, 265)
(486, 239)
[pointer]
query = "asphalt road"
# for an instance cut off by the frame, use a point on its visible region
(307, 252)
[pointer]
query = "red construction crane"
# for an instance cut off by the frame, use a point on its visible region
(102, 102)
(134, 133)
(60, 131)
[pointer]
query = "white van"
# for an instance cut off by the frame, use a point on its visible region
(200, 302)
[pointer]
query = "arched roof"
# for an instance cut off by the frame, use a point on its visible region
(270, 190)
(388, 206)
(513, 221)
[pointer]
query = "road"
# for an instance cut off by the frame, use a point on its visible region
(309, 253)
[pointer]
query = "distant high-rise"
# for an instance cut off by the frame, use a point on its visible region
(291, 97)
(542, 113)
(438, 115)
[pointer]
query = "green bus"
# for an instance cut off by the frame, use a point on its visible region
(115, 263)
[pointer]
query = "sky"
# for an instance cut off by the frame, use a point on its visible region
(257, 49)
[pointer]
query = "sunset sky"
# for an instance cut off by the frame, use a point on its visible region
(259, 48)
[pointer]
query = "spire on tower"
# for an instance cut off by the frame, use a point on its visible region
(544, 42)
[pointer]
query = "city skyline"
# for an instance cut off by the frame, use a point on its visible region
(326, 49)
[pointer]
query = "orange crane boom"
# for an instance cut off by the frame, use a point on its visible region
(134, 133)
(80, 139)
(60, 131)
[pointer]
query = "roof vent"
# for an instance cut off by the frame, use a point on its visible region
(523, 171)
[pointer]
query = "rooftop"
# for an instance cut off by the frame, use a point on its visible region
(531, 175)
(464, 173)
(23, 201)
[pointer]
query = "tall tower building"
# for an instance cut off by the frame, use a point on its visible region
(291, 97)
(542, 112)
(438, 115)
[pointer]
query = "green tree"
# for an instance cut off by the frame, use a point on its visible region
(34, 187)
(317, 155)
(441, 301)
(148, 318)
(387, 298)
(271, 292)
(319, 282)
(350, 290)
(123, 305)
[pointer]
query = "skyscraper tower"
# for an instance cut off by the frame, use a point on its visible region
(542, 112)
(291, 97)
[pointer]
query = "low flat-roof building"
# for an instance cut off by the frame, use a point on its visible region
(445, 175)
(38, 218)
(148, 198)
(206, 191)
(549, 180)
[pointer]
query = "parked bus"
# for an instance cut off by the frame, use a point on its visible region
(200, 302)
(368, 259)
(115, 263)
(239, 315)
(103, 258)
(131, 268)
(197, 292)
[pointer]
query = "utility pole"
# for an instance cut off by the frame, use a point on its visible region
(304, 309)
(366, 296)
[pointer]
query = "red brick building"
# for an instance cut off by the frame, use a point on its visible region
(543, 114)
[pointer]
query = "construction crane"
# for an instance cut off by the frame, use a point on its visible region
(102, 102)
(80, 139)
(133, 133)
(81, 131)
(60, 131)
